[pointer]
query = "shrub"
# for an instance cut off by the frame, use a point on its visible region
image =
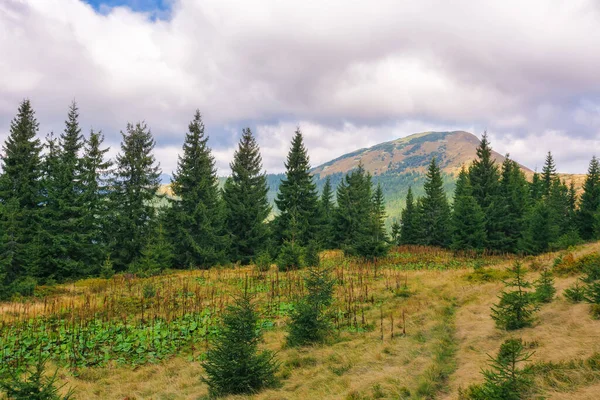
(233, 364)
(575, 293)
(504, 380)
(290, 257)
(309, 320)
(515, 309)
(36, 386)
(544, 287)
(24, 286)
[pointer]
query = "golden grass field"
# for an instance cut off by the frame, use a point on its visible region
(447, 323)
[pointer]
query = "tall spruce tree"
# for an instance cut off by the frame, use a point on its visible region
(484, 178)
(409, 231)
(436, 229)
(21, 196)
(379, 239)
(326, 212)
(536, 189)
(513, 204)
(548, 174)
(247, 207)
(134, 188)
(590, 201)
(64, 242)
(297, 199)
(95, 183)
(354, 216)
(197, 222)
(468, 221)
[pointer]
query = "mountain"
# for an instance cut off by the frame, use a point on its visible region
(411, 154)
(401, 163)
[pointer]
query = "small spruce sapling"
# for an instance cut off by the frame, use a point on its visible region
(36, 386)
(309, 321)
(544, 287)
(515, 308)
(234, 365)
(505, 380)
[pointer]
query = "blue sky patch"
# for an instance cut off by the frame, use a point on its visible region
(157, 8)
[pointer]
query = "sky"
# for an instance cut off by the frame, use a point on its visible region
(349, 73)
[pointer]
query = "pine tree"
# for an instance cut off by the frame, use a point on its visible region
(233, 364)
(326, 212)
(246, 204)
(484, 178)
(95, 186)
(558, 200)
(436, 229)
(134, 187)
(468, 221)
(590, 201)
(197, 217)
(64, 242)
(548, 174)
(297, 199)
(21, 195)
(515, 308)
(409, 231)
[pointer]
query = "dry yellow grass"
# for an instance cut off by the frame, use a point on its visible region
(360, 365)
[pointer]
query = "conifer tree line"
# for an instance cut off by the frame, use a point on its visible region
(67, 211)
(496, 208)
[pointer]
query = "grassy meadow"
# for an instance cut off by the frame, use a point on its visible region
(413, 325)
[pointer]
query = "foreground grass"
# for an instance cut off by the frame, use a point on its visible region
(448, 332)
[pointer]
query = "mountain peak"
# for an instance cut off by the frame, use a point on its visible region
(412, 154)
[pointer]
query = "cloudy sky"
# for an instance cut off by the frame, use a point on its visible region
(349, 73)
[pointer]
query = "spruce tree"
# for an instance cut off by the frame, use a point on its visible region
(435, 221)
(536, 189)
(505, 380)
(354, 216)
(21, 195)
(590, 201)
(541, 230)
(396, 229)
(484, 178)
(234, 365)
(134, 188)
(246, 204)
(515, 308)
(558, 200)
(64, 242)
(468, 221)
(297, 199)
(379, 238)
(326, 212)
(409, 231)
(309, 322)
(197, 217)
(544, 287)
(95, 185)
(548, 174)
(157, 254)
(512, 204)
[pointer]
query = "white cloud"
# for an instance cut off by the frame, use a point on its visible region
(513, 67)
